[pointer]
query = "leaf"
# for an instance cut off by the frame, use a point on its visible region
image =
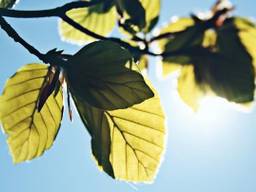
(220, 74)
(220, 61)
(228, 77)
(7, 3)
(152, 8)
(189, 89)
(247, 35)
(98, 19)
(143, 63)
(185, 40)
(128, 143)
(187, 35)
(234, 79)
(133, 12)
(98, 75)
(152, 11)
(30, 133)
(175, 26)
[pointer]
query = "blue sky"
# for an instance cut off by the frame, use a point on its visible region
(213, 151)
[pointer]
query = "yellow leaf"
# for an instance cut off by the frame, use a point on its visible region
(29, 132)
(247, 34)
(220, 58)
(189, 90)
(152, 11)
(178, 25)
(152, 8)
(187, 35)
(98, 22)
(128, 144)
(143, 63)
(7, 3)
(168, 68)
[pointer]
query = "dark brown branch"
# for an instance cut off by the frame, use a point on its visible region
(165, 35)
(61, 12)
(17, 38)
(56, 12)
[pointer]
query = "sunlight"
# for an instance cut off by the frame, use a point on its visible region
(213, 114)
(213, 108)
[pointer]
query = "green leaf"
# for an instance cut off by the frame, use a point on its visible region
(219, 59)
(143, 63)
(29, 132)
(189, 88)
(234, 78)
(152, 8)
(176, 26)
(7, 3)
(228, 77)
(98, 73)
(187, 39)
(98, 19)
(152, 11)
(247, 35)
(133, 12)
(187, 35)
(128, 143)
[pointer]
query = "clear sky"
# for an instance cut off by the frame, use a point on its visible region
(212, 151)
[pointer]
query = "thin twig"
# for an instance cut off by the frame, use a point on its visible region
(55, 12)
(61, 13)
(17, 38)
(165, 35)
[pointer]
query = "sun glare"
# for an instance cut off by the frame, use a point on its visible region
(216, 109)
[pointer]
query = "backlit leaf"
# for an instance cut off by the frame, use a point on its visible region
(152, 8)
(143, 63)
(98, 19)
(7, 3)
(187, 36)
(133, 12)
(152, 11)
(247, 34)
(234, 78)
(192, 36)
(219, 61)
(167, 69)
(98, 73)
(128, 143)
(30, 133)
(188, 88)
(175, 26)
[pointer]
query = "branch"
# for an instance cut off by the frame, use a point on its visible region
(61, 13)
(17, 38)
(56, 12)
(165, 35)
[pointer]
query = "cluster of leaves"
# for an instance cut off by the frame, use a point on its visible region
(133, 16)
(118, 106)
(136, 18)
(215, 56)
(127, 143)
